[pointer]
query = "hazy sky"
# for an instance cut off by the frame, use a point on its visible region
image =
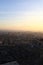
(21, 15)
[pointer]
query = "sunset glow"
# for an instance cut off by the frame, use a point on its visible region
(26, 15)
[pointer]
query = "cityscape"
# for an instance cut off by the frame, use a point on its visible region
(21, 47)
(21, 32)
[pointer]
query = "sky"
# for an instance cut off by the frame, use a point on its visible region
(22, 15)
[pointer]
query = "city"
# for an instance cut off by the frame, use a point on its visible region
(23, 47)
